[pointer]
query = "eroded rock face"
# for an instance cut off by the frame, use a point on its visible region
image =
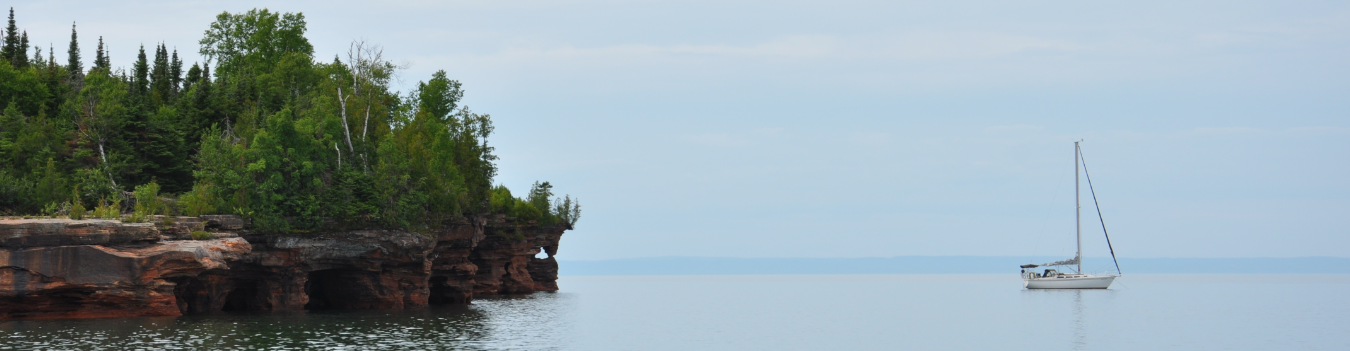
(344, 270)
(99, 281)
(99, 268)
(506, 258)
(452, 273)
(21, 233)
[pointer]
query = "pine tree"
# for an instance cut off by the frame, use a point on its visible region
(193, 75)
(11, 40)
(140, 72)
(73, 63)
(175, 73)
(159, 74)
(21, 56)
(101, 60)
(37, 57)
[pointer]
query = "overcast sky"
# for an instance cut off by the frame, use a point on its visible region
(859, 128)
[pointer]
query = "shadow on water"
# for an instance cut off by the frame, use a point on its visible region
(482, 325)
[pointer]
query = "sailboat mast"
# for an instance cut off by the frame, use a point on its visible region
(1077, 208)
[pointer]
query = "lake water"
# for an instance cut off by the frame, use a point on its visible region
(781, 312)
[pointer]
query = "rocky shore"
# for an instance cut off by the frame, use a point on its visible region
(61, 268)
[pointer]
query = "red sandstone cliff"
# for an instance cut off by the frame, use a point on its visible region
(96, 268)
(100, 268)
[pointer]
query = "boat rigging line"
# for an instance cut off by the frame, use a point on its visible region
(1099, 210)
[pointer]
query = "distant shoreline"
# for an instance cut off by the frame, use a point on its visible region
(944, 265)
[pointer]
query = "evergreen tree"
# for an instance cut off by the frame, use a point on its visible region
(266, 134)
(21, 56)
(193, 75)
(101, 58)
(56, 78)
(175, 73)
(37, 57)
(159, 74)
(11, 39)
(73, 63)
(140, 72)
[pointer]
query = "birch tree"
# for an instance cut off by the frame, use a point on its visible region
(99, 107)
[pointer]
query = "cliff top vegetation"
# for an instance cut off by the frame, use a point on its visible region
(262, 129)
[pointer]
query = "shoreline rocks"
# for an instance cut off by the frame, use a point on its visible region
(58, 268)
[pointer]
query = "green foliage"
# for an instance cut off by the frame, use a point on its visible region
(501, 201)
(76, 205)
(15, 193)
(539, 205)
(73, 63)
(200, 235)
(294, 144)
(439, 96)
(254, 41)
(106, 210)
(201, 200)
(29, 142)
(540, 193)
(568, 210)
(23, 87)
(148, 203)
(51, 209)
(51, 186)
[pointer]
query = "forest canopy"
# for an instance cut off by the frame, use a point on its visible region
(261, 129)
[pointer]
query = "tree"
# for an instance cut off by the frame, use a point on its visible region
(140, 72)
(15, 48)
(10, 49)
(100, 114)
(193, 75)
(369, 77)
(439, 96)
(265, 134)
(73, 62)
(252, 42)
(21, 56)
(101, 60)
(160, 82)
(24, 87)
(175, 74)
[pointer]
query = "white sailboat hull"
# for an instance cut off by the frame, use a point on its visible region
(1080, 282)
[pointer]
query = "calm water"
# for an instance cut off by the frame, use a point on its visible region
(784, 312)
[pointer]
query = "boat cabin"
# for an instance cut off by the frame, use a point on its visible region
(1049, 273)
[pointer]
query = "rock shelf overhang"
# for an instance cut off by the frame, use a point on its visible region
(61, 268)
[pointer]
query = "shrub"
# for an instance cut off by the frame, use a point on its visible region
(76, 206)
(525, 211)
(501, 201)
(51, 209)
(147, 202)
(201, 200)
(567, 210)
(200, 235)
(105, 210)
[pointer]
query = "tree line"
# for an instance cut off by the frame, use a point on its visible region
(260, 129)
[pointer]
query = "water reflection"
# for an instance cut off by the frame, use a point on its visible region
(1079, 330)
(498, 323)
(1073, 309)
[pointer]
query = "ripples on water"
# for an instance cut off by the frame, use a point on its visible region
(523, 323)
(781, 312)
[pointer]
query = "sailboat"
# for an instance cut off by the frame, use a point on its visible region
(1052, 278)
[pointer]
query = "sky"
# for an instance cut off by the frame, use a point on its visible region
(868, 128)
